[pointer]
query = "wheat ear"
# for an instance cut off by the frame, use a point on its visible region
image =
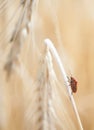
(49, 43)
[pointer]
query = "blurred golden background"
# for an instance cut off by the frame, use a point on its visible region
(70, 25)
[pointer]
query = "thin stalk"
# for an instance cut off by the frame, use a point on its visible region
(49, 44)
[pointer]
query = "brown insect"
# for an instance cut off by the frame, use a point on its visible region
(73, 84)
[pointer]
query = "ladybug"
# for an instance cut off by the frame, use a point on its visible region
(73, 84)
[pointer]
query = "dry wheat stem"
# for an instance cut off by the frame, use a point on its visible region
(49, 43)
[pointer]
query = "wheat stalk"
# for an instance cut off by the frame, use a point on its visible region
(55, 54)
(46, 102)
(19, 33)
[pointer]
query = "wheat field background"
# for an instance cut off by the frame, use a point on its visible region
(25, 73)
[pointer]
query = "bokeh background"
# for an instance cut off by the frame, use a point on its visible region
(70, 25)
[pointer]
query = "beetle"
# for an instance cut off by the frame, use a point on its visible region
(73, 84)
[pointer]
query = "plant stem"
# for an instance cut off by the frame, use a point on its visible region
(49, 44)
